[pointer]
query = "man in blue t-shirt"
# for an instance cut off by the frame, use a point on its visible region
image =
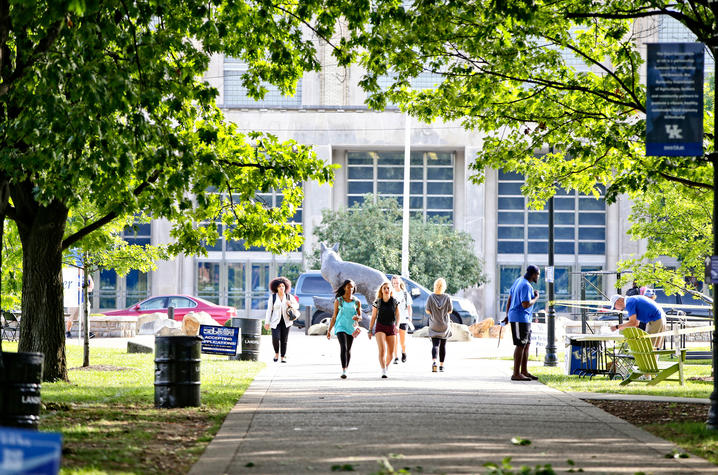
(522, 298)
(641, 309)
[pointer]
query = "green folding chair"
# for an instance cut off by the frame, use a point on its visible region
(646, 361)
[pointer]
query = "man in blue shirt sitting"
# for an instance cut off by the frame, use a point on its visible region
(641, 309)
(522, 298)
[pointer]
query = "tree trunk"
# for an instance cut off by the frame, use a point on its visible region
(42, 328)
(85, 314)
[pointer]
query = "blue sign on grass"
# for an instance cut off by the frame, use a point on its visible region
(29, 452)
(674, 99)
(220, 340)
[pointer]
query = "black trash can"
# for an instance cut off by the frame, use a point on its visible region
(177, 360)
(20, 399)
(251, 331)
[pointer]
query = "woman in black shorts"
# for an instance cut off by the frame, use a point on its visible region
(386, 316)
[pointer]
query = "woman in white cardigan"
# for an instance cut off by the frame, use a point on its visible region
(276, 317)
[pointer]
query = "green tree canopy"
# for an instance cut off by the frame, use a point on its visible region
(103, 101)
(555, 87)
(370, 234)
(674, 222)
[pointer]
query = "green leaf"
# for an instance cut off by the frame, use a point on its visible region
(520, 441)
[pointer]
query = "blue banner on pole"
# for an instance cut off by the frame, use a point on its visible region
(25, 452)
(674, 99)
(218, 340)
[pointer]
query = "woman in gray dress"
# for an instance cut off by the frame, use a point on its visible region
(439, 308)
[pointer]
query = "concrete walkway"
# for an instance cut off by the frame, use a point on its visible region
(300, 417)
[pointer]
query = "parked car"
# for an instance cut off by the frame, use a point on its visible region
(183, 305)
(311, 284)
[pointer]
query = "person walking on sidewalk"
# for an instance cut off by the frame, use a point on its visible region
(439, 308)
(386, 316)
(522, 298)
(405, 313)
(276, 316)
(347, 311)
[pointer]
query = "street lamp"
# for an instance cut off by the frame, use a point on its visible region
(712, 422)
(405, 214)
(550, 359)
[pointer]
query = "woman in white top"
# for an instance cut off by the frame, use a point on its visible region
(404, 298)
(276, 317)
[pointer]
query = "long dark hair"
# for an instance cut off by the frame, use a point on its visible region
(340, 291)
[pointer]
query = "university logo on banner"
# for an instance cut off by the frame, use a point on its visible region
(674, 99)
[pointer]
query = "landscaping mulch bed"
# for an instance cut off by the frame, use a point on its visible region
(642, 413)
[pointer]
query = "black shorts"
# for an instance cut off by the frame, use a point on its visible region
(403, 326)
(521, 333)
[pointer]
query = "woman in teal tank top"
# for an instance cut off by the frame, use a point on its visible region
(347, 311)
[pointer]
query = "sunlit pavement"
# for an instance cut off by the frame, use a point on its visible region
(301, 417)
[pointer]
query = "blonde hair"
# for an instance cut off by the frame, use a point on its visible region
(378, 292)
(439, 285)
(401, 281)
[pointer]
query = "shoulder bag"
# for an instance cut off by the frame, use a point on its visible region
(292, 313)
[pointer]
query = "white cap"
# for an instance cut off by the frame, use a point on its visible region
(614, 299)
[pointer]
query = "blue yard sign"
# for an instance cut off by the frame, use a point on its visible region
(25, 452)
(218, 340)
(674, 99)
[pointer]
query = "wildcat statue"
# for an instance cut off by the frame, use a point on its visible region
(335, 270)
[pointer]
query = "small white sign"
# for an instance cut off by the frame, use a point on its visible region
(71, 286)
(549, 274)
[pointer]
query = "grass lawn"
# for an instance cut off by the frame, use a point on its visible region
(695, 373)
(108, 421)
(693, 437)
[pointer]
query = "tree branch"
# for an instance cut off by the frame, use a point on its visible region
(305, 23)
(42, 47)
(684, 181)
(689, 22)
(133, 27)
(70, 240)
(600, 65)
(5, 26)
(605, 95)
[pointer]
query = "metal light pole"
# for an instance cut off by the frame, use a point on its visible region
(550, 359)
(712, 421)
(405, 217)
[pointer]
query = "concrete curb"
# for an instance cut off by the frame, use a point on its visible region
(661, 447)
(639, 397)
(219, 454)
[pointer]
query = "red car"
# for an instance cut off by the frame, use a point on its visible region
(183, 305)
